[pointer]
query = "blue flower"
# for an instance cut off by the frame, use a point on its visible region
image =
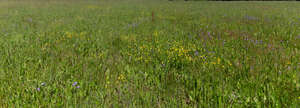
(250, 17)
(75, 83)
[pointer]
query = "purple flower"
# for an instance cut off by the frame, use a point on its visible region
(298, 37)
(196, 53)
(208, 33)
(75, 83)
(38, 89)
(77, 86)
(250, 17)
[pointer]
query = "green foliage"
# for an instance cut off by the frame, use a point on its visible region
(149, 54)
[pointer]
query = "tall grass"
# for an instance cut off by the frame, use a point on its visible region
(112, 54)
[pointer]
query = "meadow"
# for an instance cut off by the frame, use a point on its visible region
(149, 54)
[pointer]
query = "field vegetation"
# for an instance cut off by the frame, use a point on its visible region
(149, 54)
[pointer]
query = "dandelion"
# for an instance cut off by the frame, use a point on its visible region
(75, 83)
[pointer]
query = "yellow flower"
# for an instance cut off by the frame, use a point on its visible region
(190, 58)
(121, 77)
(219, 60)
(288, 63)
(69, 35)
(155, 33)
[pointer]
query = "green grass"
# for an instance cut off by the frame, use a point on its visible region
(194, 54)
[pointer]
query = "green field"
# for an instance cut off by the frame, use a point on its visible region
(149, 54)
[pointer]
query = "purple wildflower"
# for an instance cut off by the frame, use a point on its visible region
(196, 53)
(75, 83)
(77, 86)
(298, 36)
(38, 89)
(250, 17)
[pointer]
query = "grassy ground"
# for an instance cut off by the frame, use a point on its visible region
(149, 54)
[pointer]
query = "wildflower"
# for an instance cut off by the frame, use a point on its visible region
(196, 53)
(38, 89)
(121, 77)
(219, 60)
(288, 63)
(43, 84)
(77, 86)
(250, 17)
(155, 33)
(163, 65)
(69, 35)
(75, 83)
(298, 36)
(133, 25)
